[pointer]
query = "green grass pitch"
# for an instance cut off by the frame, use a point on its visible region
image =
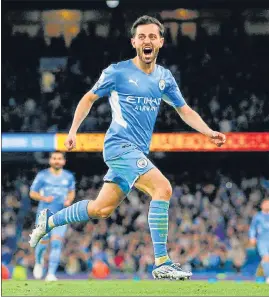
(132, 288)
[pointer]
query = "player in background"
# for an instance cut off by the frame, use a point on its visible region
(54, 188)
(135, 88)
(259, 235)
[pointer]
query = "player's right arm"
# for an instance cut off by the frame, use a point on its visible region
(82, 110)
(36, 187)
(102, 87)
(253, 231)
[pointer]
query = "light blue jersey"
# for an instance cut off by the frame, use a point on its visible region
(58, 186)
(135, 99)
(259, 229)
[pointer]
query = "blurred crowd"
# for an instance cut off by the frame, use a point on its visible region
(208, 226)
(223, 77)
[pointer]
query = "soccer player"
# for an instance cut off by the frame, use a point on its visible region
(136, 88)
(259, 235)
(54, 188)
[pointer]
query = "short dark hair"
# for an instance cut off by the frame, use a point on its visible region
(57, 152)
(145, 20)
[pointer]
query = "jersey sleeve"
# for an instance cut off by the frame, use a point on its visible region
(172, 94)
(37, 183)
(253, 228)
(72, 183)
(106, 82)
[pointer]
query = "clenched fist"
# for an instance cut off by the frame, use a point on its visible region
(218, 138)
(70, 142)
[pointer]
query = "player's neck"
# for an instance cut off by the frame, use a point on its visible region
(147, 68)
(56, 171)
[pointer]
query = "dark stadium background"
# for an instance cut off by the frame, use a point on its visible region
(222, 72)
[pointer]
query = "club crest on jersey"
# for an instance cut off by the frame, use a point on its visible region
(65, 182)
(142, 163)
(162, 84)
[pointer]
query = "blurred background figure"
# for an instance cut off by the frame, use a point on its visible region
(53, 188)
(259, 235)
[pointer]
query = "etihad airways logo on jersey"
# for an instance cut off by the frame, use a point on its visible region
(145, 103)
(59, 190)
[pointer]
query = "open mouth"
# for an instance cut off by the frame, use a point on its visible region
(147, 50)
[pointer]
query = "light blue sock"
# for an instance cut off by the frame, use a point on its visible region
(158, 224)
(39, 251)
(55, 255)
(75, 213)
(265, 266)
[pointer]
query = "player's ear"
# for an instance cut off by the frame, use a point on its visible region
(161, 42)
(133, 42)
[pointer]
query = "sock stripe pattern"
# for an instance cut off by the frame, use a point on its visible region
(73, 214)
(158, 224)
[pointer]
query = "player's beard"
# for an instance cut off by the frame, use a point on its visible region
(151, 58)
(57, 167)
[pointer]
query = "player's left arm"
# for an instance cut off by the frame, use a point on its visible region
(173, 97)
(70, 198)
(71, 192)
(193, 119)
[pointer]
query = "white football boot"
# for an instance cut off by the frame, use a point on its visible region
(51, 278)
(41, 228)
(38, 270)
(171, 271)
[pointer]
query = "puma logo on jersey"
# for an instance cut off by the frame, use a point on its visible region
(133, 81)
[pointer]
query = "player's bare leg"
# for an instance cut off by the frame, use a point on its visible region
(107, 200)
(156, 185)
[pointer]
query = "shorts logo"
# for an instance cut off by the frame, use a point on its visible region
(162, 84)
(142, 163)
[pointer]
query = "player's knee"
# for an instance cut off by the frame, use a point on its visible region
(265, 258)
(169, 190)
(164, 191)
